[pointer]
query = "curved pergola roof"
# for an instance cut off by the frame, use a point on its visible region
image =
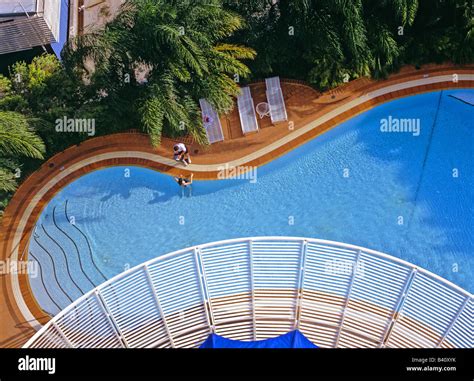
(337, 295)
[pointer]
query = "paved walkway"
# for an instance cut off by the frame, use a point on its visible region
(310, 112)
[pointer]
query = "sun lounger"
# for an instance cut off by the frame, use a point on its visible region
(211, 122)
(275, 100)
(248, 118)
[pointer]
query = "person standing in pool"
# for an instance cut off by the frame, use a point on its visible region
(184, 182)
(181, 153)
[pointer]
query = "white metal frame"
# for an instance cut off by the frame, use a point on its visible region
(254, 288)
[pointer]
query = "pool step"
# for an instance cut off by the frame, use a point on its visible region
(63, 250)
(50, 287)
(85, 248)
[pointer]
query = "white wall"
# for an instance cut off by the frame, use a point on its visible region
(52, 15)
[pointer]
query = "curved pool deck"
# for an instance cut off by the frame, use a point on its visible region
(21, 315)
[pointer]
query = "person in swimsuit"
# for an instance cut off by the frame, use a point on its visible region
(184, 182)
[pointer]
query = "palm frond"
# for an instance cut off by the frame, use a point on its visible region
(7, 180)
(17, 138)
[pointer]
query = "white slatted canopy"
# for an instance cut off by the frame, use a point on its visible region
(337, 295)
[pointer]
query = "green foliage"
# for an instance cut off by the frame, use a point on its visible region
(44, 92)
(14, 102)
(7, 177)
(385, 51)
(337, 39)
(327, 61)
(17, 139)
(5, 86)
(405, 10)
(35, 74)
(466, 52)
(181, 49)
(20, 120)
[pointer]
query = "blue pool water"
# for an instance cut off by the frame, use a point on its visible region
(129, 220)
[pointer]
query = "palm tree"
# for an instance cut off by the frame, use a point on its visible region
(353, 31)
(385, 51)
(181, 46)
(17, 140)
(465, 51)
(334, 39)
(405, 10)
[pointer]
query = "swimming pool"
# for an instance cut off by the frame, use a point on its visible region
(407, 194)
